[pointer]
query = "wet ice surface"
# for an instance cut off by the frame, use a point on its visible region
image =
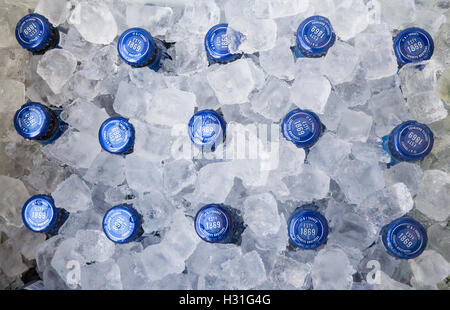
(356, 90)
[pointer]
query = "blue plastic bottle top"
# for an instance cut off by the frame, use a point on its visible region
(206, 128)
(413, 45)
(308, 229)
(315, 36)
(39, 213)
(404, 238)
(301, 127)
(137, 48)
(116, 135)
(121, 224)
(35, 33)
(410, 141)
(217, 44)
(213, 223)
(34, 121)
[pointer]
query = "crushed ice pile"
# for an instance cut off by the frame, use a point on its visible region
(357, 91)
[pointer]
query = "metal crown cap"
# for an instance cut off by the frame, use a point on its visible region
(121, 224)
(216, 44)
(136, 47)
(405, 238)
(411, 141)
(315, 36)
(301, 127)
(39, 213)
(34, 32)
(32, 120)
(206, 128)
(116, 135)
(413, 45)
(307, 229)
(212, 223)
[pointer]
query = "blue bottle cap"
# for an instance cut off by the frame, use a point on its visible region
(413, 45)
(137, 47)
(315, 36)
(116, 135)
(308, 229)
(206, 128)
(121, 224)
(212, 223)
(33, 120)
(411, 141)
(39, 213)
(217, 42)
(34, 32)
(301, 127)
(405, 238)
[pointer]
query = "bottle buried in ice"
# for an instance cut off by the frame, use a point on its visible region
(307, 229)
(40, 214)
(315, 36)
(35, 121)
(217, 44)
(410, 141)
(217, 223)
(122, 224)
(404, 238)
(116, 136)
(413, 45)
(138, 48)
(302, 127)
(35, 33)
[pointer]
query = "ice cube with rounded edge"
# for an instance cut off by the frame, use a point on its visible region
(391, 202)
(332, 270)
(170, 106)
(279, 60)
(232, 83)
(73, 148)
(244, 272)
(148, 139)
(310, 91)
(408, 173)
(257, 35)
(107, 169)
(261, 214)
(55, 11)
(85, 116)
(439, 239)
(73, 195)
(388, 109)
(327, 154)
(434, 194)
(94, 246)
(101, 276)
(179, 175)
(396, 14)
(354, 126)
(142, 174)
(377, 54)
(429, 269)
(341, 63)
(132, 101)
(311, 183)
(277, 9)
(56, 68)
(349, 18)
(14, 196)
(94, 21)
(156, 18)
(358, 179)
(169, 256)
